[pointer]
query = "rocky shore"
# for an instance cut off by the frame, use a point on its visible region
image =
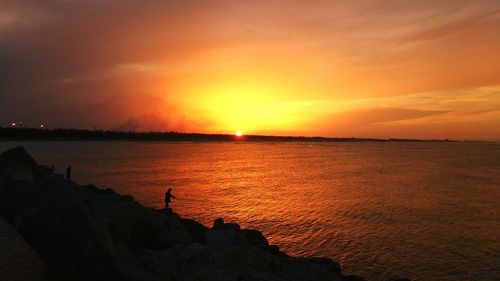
(85, 233)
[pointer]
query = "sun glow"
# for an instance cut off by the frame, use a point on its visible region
(239, 134)
(255, 105)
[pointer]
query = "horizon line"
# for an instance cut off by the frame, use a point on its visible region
(234, 137)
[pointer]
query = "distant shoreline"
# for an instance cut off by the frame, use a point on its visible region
(32, 134)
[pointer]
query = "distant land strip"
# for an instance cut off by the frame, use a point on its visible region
(32, 134)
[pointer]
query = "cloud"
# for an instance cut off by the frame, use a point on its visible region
(102, 52)
(118, 70)
(157, 122)
(378, 115)
(434, 31)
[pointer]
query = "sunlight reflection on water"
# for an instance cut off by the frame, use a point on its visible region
(427, 211)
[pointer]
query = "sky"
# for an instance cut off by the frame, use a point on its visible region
(384, 69)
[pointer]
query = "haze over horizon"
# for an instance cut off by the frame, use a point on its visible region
(373, 69)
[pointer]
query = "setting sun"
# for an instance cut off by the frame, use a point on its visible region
(239, 134)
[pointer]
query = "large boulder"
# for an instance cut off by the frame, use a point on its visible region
(220, 224)
(65, 233)
(196, 229)
(17, 164)
(224, 239)
(131, 224)
(327, 263)
(255, 237)
(352, 278)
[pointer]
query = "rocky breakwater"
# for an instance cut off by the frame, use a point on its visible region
(87, 233)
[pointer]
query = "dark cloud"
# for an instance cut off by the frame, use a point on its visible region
(45, 43)
(155, 122)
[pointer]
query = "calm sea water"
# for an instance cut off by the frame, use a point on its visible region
(427, 211)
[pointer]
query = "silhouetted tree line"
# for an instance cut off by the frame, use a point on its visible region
(18, 134)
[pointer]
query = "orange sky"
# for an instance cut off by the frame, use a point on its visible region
(400, 69)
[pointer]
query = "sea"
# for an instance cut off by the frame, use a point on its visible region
(420, 210)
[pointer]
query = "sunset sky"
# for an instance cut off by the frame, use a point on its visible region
(400, 69)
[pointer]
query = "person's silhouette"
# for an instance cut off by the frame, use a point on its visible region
(68, 172)
(168, 197)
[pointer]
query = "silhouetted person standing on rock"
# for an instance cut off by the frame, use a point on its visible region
(68, 172)
(168, 196)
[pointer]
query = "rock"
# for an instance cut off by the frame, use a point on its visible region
(133, 225)
(224, 239)
(45, 169)
(327, 263)
(232, 226)
(255, 237)
(166, 211)
(80, 231)
(61, 229)
(218, 223)
(196, 229)
(17, 164)
(352, 278)
(98, 190)
(399, 279)
(275, 250)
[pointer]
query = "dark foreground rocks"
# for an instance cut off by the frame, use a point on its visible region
(85, 233)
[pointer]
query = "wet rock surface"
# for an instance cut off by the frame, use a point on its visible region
(86, 233)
